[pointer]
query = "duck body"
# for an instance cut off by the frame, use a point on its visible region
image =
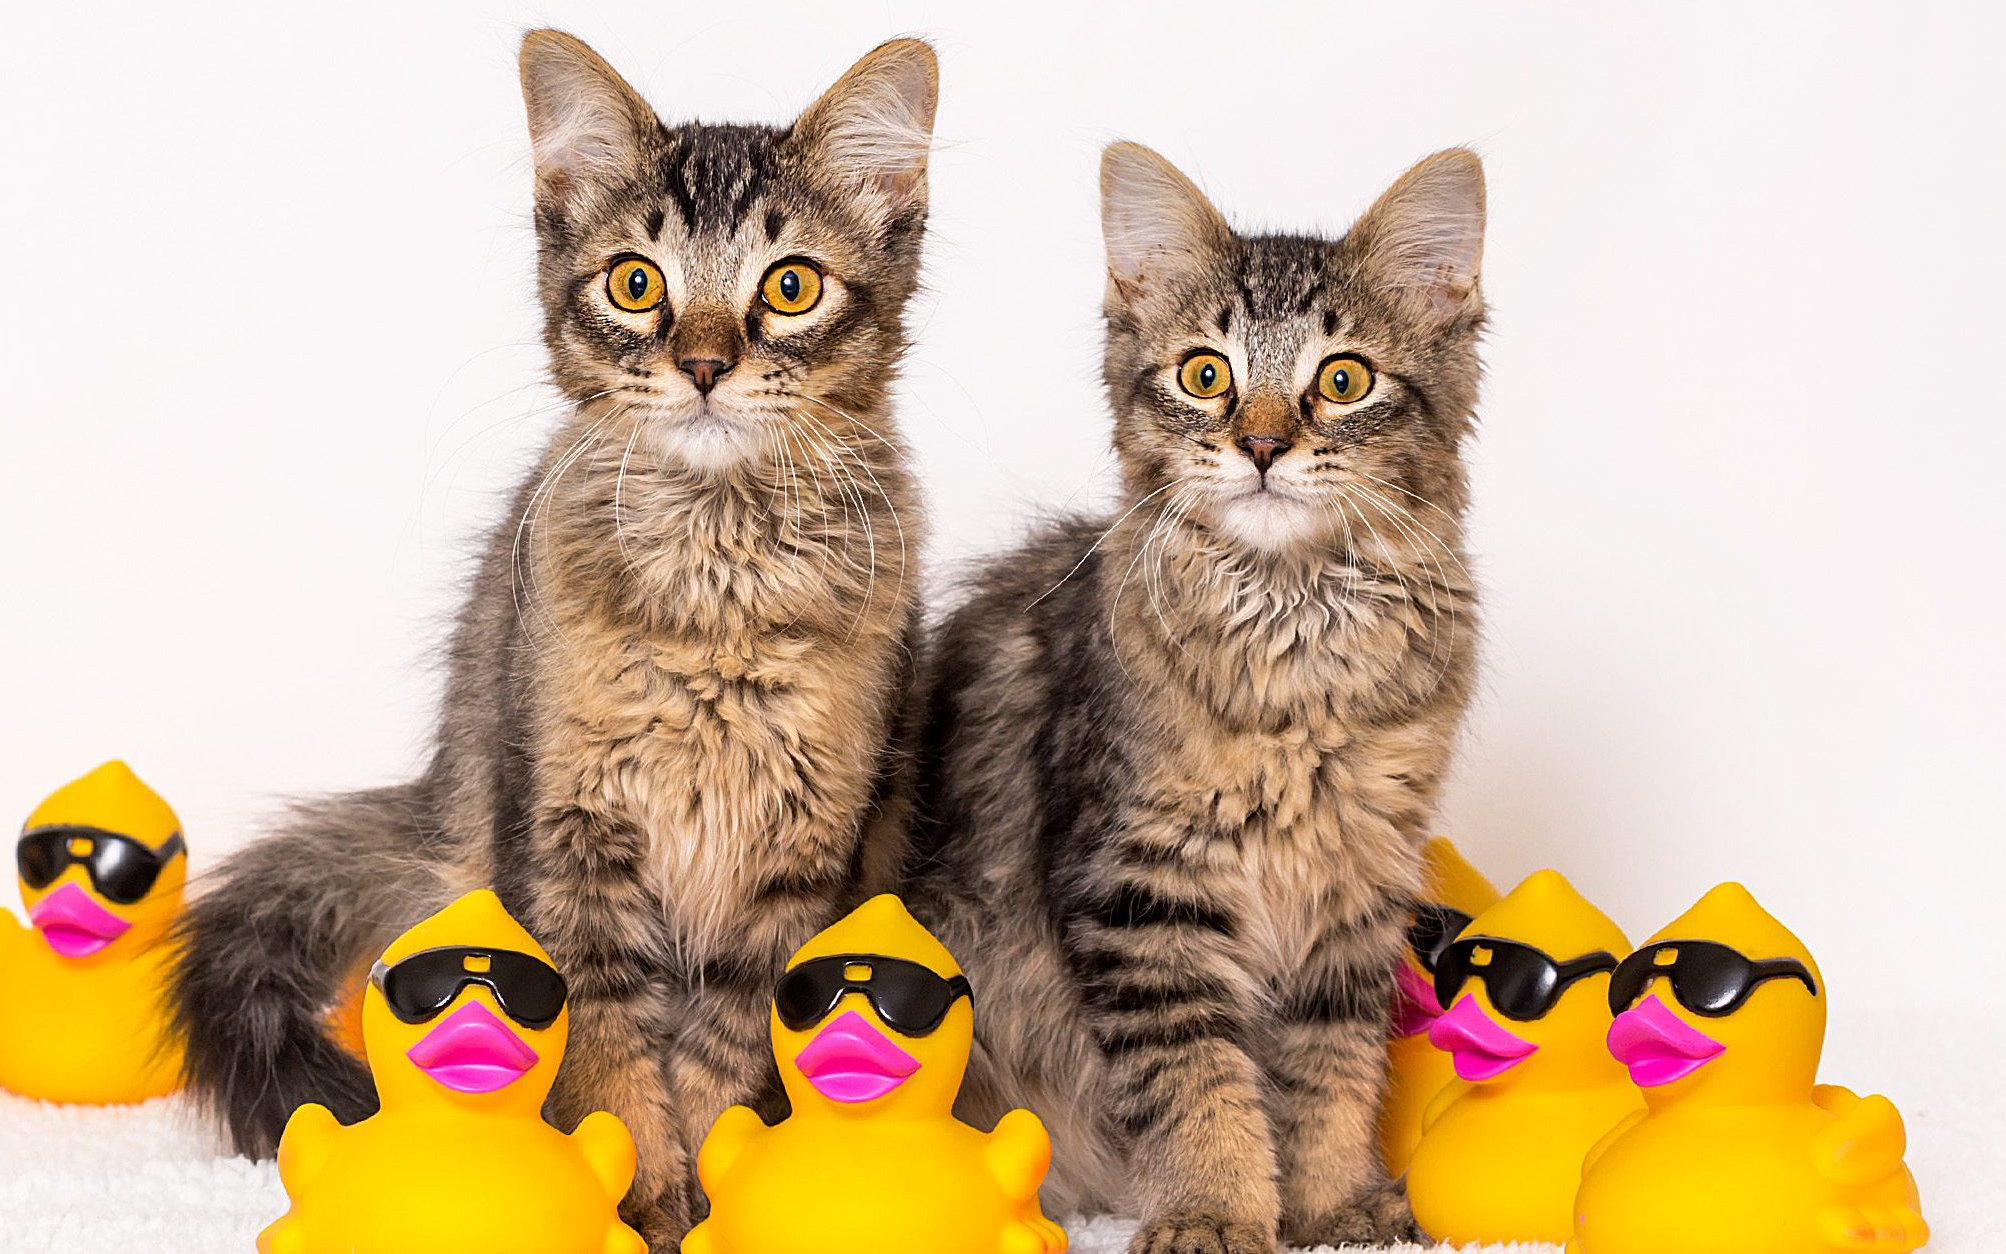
(1497, 1162)
(1712, 1179)
(896, 1188)
(1417, 1072)
(464, 1024)
(1500, 1154)
(871, 1159)
(83, 1018)
(446, 1181)
(1738, 1150)
(82, 1031)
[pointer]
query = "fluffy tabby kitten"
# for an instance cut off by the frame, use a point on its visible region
(664, 736)
(1178, 769)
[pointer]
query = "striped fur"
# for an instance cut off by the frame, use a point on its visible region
(1179, 762)
(667, 738)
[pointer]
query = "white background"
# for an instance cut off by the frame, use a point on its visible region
(270, 362)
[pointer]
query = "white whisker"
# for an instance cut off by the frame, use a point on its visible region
(1098, 541)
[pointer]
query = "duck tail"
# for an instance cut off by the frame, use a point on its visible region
(1894, 1228)
(265, 951)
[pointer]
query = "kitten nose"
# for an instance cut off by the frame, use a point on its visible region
(704, 371)
(1262, 450)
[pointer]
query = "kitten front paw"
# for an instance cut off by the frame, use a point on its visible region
(1381, 1217)
(1198, 1233)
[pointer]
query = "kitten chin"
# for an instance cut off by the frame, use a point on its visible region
(1271, 520)
(706, 438)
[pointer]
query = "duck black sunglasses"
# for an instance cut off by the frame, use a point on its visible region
(419, 987)
(121, 869)
(909, 998)
(1707, 978)
(1434, 928)
(1523, 982)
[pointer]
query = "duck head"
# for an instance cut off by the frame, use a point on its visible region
(873, 1019)
(466, 1011)
(1723, 1004)
(103, 867)
(1527, 990)
(1456, 893)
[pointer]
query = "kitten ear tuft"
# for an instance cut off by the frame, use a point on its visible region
(874, 127)
(586, 125)
(1155, 221)
(1425, 236)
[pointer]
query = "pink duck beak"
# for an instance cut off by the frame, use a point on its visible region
(74, 925)
(1414, 1006)
(1482, 1048)
(851, 1062)
(471, 1051)
(1659, 1047)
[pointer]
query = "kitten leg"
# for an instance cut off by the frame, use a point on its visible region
(1181, 1088)
(1329, 1068)
(609, 1066)
(589, 910)
(723, 1057)
(723, 1050)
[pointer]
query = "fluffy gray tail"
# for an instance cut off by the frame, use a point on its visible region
(264, 952)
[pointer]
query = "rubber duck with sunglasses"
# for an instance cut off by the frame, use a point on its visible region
(1527, 990)
(872, 1023)
(464, 1022)
(1720, 1019)
(1417, 1072)
(102, 865)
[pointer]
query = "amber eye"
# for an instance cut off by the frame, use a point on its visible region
(1344, 380)
(791, 287)
(635, 285)
(1205, 375)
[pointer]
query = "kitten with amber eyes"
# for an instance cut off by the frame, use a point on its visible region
(1179, 763)
(666, 734)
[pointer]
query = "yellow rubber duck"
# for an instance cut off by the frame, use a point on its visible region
(1416, 1072)
(464, 1021)
(1527, 987)
(102, 868)
(872, 1026)
(1739, 1151)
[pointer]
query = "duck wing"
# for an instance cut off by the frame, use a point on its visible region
(12, 937)
(1018, 1154)
(306, 1145)
(1864, 1146)
(1865, 1141)
(608, 1149)
(727, 1139)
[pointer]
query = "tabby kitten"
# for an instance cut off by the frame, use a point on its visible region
(665, 732)
(1179, 766)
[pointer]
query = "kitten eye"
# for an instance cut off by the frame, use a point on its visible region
(791, 287)
(635, 285)
(1205, 375)
(1344, 380)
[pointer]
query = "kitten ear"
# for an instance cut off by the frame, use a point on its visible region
(1155, 221)
(874, 127)
(587, 127)
(1425, 236)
